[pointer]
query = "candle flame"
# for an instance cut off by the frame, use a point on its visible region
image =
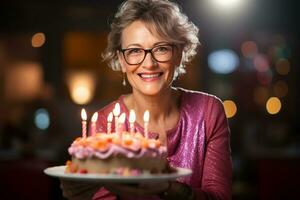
(83, 114)
(132, 116)
(116, 110)
(110, 117)
(95, 117)
(146, 116)
(122, 118)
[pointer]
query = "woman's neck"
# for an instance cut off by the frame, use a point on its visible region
(159, 106)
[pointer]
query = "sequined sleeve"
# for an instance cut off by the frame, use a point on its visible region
(217, 169)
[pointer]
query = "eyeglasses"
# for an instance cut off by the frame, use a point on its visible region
(160, 53)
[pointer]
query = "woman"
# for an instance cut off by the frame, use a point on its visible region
(151, 41)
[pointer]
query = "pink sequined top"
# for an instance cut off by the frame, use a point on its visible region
(200, 141)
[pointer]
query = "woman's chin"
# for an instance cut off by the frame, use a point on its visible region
(153, 91)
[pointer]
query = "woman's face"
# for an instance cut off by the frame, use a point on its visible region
(150, 77)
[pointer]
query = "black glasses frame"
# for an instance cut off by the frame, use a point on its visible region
(146, 52)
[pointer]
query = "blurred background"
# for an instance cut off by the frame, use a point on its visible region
(50, 68)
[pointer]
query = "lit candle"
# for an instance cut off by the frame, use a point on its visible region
(109, 120)
(93, 126)
(146, 123)
(83, 122)
(131, 121)
(121, 122)
(116, 112)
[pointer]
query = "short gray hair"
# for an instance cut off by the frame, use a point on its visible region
(162, 15)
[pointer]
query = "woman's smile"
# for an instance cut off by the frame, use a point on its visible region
(150, 76)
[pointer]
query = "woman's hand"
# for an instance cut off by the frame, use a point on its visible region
(138, 190)
(77, 190)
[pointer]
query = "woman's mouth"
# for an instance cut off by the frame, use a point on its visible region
(150, 76)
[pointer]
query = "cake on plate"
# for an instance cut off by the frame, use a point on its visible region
(117, 153)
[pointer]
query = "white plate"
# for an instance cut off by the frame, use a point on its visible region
(59, 172)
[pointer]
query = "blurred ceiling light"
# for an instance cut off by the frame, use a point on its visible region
(261, 95)
(42, 119)
(273, 105)
(249, 49)
(223, 61)
(82, 87)
(226, 4)
(38, 39)
(280, 89)
(282, 66)
(228, 8)
(23, 81)
(230, 108)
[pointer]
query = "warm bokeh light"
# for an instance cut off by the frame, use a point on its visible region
(230, 108)
(281, 89)
(38, 39)
(273, 105)
(282, 66)
(249, 49)
(81, 86)
(260, 95)
(23, 81)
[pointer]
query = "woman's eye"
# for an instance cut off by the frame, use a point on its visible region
(134, 51)
(162, 49)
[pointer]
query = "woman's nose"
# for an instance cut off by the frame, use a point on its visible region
(149, 61)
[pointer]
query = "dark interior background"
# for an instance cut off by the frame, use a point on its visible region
(36, 80)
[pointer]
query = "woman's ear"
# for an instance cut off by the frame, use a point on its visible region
(121, 61)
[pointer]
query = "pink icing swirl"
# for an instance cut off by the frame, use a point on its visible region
(104, 145)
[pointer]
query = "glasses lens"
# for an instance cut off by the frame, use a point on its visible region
(162, 53)
(134, 55)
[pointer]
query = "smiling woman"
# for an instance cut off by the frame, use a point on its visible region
(151, 42)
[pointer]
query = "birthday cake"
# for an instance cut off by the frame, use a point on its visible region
(119, 152)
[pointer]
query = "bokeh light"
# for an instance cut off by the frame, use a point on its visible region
(230, 108)
(273, 105)
(81, 86)
(282, 66)
(280, 89)
(38, 39)
(41, 119)
(223, 61)
(249, 49)
(261, 63)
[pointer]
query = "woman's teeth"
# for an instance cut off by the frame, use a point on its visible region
(150, 75)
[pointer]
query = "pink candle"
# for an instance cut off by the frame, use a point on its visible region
(121, 124)
(116, 112)
(146, 123)
(93, 125)
(131, 121)
(109, 120)
(83, 122)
